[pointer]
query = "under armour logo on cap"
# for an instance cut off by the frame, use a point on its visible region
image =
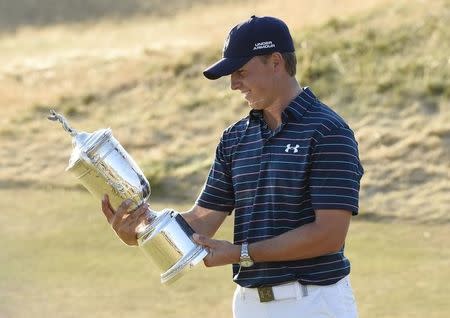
(263, 45)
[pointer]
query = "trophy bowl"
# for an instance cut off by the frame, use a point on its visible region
(103, 166)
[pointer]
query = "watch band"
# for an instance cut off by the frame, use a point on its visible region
(245, 259)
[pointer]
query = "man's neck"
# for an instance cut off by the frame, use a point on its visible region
(272, 114)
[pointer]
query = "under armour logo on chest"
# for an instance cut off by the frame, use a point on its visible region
(288, 147)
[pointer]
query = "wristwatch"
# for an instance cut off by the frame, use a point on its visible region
(245, 259)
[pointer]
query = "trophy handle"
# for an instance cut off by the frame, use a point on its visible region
(58, 117)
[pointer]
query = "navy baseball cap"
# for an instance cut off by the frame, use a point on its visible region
(256, 36)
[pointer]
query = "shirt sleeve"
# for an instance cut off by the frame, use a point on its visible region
(336, 172)
(217, 193)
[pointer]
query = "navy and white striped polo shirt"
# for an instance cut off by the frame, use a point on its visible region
(274, 180)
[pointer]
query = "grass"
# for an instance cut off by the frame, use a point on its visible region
(60, 258)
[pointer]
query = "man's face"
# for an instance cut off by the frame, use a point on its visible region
(256, 81)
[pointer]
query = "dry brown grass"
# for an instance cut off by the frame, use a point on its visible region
(142, 77)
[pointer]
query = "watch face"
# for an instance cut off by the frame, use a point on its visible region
(246, 263)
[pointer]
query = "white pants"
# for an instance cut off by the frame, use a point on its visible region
(295, 300)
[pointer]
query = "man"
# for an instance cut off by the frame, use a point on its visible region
(290, 172)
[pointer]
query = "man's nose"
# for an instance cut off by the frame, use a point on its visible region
(234, 82)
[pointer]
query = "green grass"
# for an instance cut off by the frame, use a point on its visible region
(60, 259)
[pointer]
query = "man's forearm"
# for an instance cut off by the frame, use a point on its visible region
(196, 223)
(204, 221)
(310, 240)
(304, 242)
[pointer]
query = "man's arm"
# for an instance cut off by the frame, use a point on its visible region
(125, 224)
(204, 221)
(323, 236)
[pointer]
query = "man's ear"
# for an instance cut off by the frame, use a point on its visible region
(277, 61)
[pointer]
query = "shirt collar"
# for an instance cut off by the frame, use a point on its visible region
(296, 108)
(299, 105)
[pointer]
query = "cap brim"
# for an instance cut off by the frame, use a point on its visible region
(225, 66)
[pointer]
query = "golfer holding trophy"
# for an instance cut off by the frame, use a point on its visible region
(289, 172)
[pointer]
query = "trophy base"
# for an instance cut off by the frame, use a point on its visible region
(183, 265)
(167, 240)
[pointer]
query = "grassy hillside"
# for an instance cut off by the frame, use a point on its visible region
(135, 66)
(386, 70)
(28, 13)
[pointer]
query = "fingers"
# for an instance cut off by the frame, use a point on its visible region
(141, 210)
(204, 240)
(120, 213)
(107, 209)
(219, 252)
(137, 217)
(123, 222)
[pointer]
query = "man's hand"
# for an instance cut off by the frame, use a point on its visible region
(122, 221)
(220, 252)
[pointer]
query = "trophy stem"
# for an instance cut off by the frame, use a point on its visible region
(142, 228)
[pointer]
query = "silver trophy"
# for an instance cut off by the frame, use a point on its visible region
(103, 166)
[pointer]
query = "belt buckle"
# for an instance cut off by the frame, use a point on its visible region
(265, 294)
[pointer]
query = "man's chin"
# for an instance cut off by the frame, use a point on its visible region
(258, 105)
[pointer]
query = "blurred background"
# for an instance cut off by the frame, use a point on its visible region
(136, 66)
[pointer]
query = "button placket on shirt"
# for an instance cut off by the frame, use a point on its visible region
(266, 135)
